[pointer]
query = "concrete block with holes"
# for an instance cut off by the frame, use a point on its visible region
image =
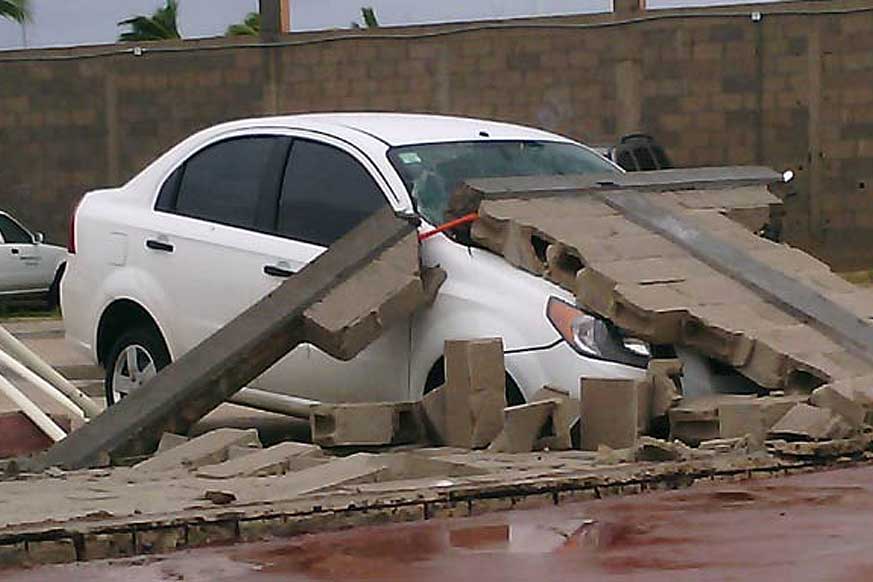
(364, 424)
(468, 410)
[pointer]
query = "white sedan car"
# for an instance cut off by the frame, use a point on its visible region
(220, 220)
(28, 266)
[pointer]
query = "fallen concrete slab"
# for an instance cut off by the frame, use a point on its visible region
(216, 369)
(805, 422)
(207, 449)
(276, 460)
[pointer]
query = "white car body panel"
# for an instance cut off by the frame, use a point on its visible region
(216, 271)
(27, 267)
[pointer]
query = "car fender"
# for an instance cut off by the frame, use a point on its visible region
(140, 287)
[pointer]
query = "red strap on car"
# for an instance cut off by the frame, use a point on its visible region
(467, 218)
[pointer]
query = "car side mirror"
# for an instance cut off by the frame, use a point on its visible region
(38, 238)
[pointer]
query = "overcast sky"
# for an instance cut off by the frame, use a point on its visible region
(69, 22)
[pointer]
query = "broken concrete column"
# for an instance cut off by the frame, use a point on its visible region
(533, 427)
(805, 422)
(207, 449)
(468, 410)
(373, 424)
(609, 413)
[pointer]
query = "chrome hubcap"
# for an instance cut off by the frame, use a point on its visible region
(133, 368)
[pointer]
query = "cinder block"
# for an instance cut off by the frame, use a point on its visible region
(694, 424)
(665, 395)
(276, 460)
(51, 551)
(738, 419)
(468, 410)
(609, 413)
(830, 397)
(207, 449)
(805, 422)
(566, 415)
(385, 423)
(532, 427)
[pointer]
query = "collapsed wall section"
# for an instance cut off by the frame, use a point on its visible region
(663, 292)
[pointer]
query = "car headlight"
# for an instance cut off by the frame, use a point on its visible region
(576, 327)
(594, 337)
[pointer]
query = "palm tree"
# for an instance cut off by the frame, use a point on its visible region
(369, 17)
(161, 25)
(17, 10)
(251, 26)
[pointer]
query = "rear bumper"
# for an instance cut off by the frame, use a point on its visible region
(79, 324)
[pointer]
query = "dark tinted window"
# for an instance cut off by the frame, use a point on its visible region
(167, 196)
(223, 183)
(12, 233)
(326, 193)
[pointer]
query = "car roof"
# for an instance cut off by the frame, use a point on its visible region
(399, 129)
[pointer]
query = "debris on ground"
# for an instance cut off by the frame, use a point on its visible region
(461, 449)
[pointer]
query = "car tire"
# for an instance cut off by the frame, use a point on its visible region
(145, 349)
(437, 377)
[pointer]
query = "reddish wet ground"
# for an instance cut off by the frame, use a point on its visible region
(810, 527)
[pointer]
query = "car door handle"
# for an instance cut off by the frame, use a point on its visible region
(157, 245)
(275, 271)
(14, 251)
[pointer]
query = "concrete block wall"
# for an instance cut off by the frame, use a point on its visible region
(717, 86)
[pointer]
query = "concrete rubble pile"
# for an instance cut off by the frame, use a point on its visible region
(461, 449)
(658, 284)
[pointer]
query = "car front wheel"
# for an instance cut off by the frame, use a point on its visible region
(135, 358)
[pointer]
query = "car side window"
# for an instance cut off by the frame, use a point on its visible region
(325, 194)
(224, 183)
(13, 233)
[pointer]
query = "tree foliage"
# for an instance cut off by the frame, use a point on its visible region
(369, 17)
(251, 26)
(162, 25)
(17, 10)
